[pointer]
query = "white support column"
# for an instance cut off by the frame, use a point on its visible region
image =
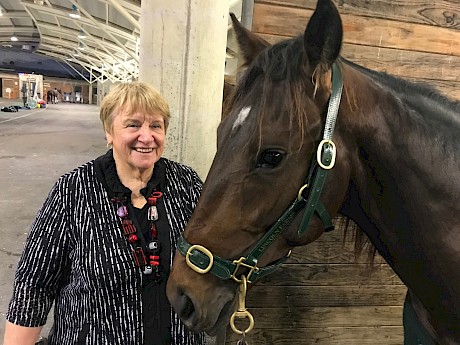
(182, 54)
(90, 93)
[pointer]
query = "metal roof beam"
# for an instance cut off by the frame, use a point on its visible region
(125, 13)
(114, 57)
(73, 34)
(81, 75)
(18, 29)
(64, 51)
(94, 62)
(83, 64)
(101, 26)
(87, 21)
(14, 14)
(129, 6)
(99, 56)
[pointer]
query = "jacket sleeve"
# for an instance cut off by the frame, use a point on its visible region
(195, 188)
(42, 267)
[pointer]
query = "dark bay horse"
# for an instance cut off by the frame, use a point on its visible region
(310, 135)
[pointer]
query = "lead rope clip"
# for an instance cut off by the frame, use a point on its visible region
(241, 311)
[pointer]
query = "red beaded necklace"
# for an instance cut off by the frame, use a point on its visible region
(146, 256)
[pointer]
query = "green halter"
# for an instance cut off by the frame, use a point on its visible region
(202, 260)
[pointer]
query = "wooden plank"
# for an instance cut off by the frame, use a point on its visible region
(327, 252)
(405, 63)
(400, 63)
(447, 88)
(287, 21)
(388, 335)
(331, 275)
(317, 317)
(326, 296)
(438, 13)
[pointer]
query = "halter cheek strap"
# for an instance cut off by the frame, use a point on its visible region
(325, 157)
(203, 261)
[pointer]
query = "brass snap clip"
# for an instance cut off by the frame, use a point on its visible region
(242, 312)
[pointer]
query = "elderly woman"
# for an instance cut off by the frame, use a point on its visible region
(101, 246)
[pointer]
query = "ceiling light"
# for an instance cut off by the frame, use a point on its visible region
(14, 38)
(75, 12)
(81, 46)
(81, 34)
(1, 13)
(38, 2)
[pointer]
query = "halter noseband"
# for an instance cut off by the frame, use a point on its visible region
(202, 260)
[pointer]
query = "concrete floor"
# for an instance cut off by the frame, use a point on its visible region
(36, 147)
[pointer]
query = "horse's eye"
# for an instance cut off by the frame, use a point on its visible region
(270, 159)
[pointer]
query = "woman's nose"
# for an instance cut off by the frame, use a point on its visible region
(146, 134)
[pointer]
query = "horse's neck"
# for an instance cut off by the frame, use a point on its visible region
(405, 185)
(405, 158)
(406, 166)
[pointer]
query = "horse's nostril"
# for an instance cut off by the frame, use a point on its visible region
(187, 308)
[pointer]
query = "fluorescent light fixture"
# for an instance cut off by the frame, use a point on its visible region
(14, 38)
(81, 34)
(81, 46)
(75, 14)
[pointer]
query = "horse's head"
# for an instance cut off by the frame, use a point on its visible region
(266, 144)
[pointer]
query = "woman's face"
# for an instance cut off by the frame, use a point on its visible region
(138, 140)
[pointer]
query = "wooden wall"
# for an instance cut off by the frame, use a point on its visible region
(323, 295)
(417, 39)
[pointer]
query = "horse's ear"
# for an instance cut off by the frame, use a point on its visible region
(250, 44)
(323, 35)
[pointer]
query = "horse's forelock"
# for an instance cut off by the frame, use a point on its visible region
(283, 64)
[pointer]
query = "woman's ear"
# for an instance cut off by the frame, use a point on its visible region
(109, 138)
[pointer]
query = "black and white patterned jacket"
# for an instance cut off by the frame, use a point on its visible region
(97, 293)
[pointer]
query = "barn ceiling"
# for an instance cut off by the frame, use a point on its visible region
(84, 39)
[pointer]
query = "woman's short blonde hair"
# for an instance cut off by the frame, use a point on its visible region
(131, 98)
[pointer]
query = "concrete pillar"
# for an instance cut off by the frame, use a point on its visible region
(90, 94)
(103, 88)
(182, 54)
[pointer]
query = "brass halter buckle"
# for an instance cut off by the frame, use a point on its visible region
(205, 252)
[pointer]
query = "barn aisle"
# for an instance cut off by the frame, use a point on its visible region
(36, 147)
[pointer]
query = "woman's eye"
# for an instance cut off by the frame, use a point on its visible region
(270, 159)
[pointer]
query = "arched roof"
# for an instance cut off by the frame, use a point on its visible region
(102, 43)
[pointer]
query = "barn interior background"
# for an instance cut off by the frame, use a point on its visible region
(324, 295)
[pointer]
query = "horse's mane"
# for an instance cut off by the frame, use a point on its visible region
(421, 97)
